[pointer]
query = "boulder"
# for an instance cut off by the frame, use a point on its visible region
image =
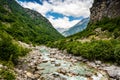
(113, 71)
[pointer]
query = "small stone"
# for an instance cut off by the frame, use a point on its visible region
(98, 62)
(118, 75)
(38, 72)
(1, 65)
(73, 73)
(45, 61)
(36, 75)
(52, 62)
(62, 71)
(31, 64)
(56, 75)
(68, 74)
(38, 61)
(88, 75)
(84, 60)
(40, 68)
(18, 71)
(25, 71)
(29, 75)
(57, 64)
(79, 58)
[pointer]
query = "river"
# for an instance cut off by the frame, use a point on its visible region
(45, 63)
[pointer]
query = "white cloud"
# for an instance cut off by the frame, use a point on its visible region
(74, 8)
(35, 6)
(62, 22)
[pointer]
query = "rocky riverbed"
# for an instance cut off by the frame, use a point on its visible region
(44, 63)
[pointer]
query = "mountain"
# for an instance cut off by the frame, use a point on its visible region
(101, 39)
(61, 30)
(25, 25)
(104, 21)
(80, 26)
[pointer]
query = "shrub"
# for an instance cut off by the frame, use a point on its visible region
(7, 75)
(9, 49)
(117, 53)
(104, 50)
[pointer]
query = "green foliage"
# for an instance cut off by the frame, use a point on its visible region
(6, 75)
(104, 50)
(26, 25)
(9, 49)
(117, 53)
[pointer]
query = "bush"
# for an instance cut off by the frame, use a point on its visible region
(7, 75)
(104, 50)
(117, 53)
(9, 49)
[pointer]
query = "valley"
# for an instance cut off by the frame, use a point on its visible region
(32, 49)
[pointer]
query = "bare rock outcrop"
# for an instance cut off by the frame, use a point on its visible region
(104, 8)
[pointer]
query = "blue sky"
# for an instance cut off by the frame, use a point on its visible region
(61, 13)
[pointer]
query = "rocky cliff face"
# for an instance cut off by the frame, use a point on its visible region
(105, 8)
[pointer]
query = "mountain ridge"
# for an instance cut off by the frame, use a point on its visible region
(80, 26)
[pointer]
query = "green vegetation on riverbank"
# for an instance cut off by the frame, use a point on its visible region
(9, 48)
(10, 51)
(7, 74)
(104, 50)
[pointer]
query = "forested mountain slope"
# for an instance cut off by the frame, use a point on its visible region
(24, 24)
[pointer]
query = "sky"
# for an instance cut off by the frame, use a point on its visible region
(61, 13)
